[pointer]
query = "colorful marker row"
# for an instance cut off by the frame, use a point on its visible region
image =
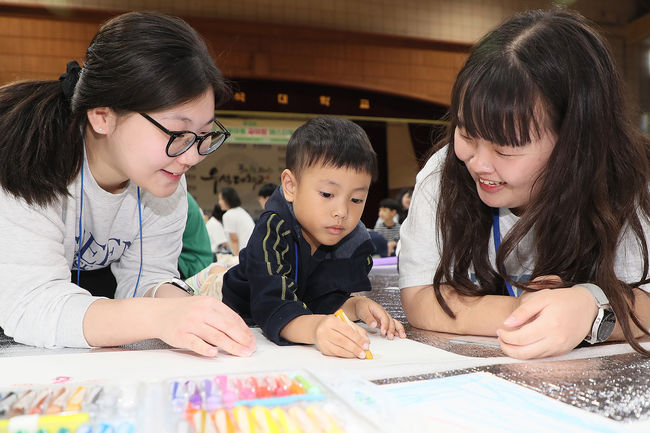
(218, 392)
(261, 419)
(66, 409)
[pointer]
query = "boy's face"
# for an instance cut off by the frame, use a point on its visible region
(387, 214)
(327, 201)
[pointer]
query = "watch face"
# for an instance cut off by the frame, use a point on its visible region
(606, 326)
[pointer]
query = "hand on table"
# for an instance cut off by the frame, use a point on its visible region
(204, 325)
(548, 322)
(373, 315)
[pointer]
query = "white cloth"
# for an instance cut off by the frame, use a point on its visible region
(39, 305)
(216, 233)
(239, 222)
(420, 247)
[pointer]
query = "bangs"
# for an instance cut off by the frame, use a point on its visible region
(498, 103)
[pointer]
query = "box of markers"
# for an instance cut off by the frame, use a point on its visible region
(84, 407)
(273, 402)
(266, 402)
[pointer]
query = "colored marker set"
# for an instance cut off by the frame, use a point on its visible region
(260, 403)
(73, 408)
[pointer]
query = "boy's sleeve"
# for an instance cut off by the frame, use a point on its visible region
(270, 269)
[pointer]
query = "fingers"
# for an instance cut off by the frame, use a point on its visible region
(203, 323)
(375, 313)
(219, 339)
(399, 328)
(334, 337)
(523, 314)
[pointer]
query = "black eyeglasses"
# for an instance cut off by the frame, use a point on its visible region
(180, 141)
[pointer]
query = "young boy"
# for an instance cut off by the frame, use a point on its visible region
(309, 251)
(386, 226)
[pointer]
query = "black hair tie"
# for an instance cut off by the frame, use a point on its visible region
(70, 78)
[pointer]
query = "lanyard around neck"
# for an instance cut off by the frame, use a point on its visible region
(497, 241)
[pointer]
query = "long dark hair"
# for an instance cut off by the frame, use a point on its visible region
(594, 185)
(137, 62)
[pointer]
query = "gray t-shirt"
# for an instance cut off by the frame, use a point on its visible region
(421, 248)
(39, 305)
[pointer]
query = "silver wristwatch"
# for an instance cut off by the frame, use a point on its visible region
(605, 320)
(182, 285)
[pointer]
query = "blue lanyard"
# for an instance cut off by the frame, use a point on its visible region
(497, 241)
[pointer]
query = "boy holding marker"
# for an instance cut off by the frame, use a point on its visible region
(309, 251)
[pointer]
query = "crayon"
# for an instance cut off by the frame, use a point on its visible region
(178, 397)
(341, 315)
(6, 402)
(40, 402)
(322, 418)
(286, 423)
(213, 400)
(229, 397)
(90, 402)
(75, 400)
(71, 422)
(302, 419)
(21, 405)
(195, 401)
(264, 420)
(310, 388)
(198, 421)
(58, 401)
(244, 420)
(223, 422)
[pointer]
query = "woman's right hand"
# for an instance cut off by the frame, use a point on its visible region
(203, 325)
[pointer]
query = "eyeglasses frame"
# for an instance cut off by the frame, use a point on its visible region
(173, 135)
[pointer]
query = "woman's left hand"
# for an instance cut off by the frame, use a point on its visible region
(548, 322)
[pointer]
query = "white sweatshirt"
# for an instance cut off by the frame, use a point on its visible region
(39, 305)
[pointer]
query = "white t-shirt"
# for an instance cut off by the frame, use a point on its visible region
(421, 248)
(39, 305)
(239, 222)
(216, 233)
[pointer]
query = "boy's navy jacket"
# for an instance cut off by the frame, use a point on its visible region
(265, 289)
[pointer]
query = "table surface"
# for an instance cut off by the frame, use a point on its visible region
(615, 386)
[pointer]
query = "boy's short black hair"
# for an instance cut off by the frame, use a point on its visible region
(391, 204)
(231, 197)
(267, 190)
(331, 141)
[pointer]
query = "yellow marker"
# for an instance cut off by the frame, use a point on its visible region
(341, 315)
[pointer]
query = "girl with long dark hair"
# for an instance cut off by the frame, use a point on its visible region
(530, 222)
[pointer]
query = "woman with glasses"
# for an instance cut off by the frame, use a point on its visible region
(93, 197)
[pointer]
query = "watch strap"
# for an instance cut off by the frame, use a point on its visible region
(175, 282)
(603, 308)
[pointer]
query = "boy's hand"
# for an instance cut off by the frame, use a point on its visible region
(336, 338)
(373, 315)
